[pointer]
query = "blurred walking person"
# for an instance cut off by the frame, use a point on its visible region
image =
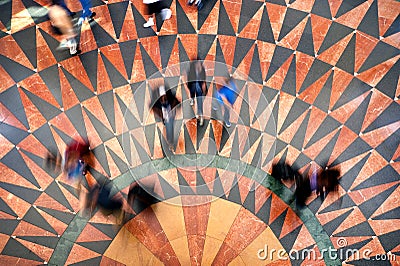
(226, 97)
(61, 22)
(154, 7)
(197, 86)
(164, 103)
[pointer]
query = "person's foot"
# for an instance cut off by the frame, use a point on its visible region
(166, 13)
(64, 44)
(190, 2)
(149, 23)
(201, 121)
(228, 124)
(92, 15)
(80, 21)
(72, 46)
(191, 101)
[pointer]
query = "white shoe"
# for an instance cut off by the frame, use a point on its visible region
(80, 21)
(166, 13)
(191, 101)
(228, 124)
(72, 46)
(201, 121)
(149, 23)
(64, 44)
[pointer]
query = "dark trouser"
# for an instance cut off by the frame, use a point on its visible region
(169, 128)
(197, 92)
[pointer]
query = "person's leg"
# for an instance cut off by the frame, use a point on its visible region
(150, 10)
(169, 127)
(227, 115)
(199, 100)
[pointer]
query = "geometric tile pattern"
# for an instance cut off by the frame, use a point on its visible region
(319, 86)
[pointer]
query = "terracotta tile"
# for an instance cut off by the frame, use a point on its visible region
(363, 195)
(265, 51)
(8, 117)
(355, 217)
(87, 41)
(43, 179)
(346, 137)
(33, 115)
(74, 66)
(375, 74)
(386, 15)
(242, 71)
(374, 247)
(110, 262)
(44, 54)
(138, 73)
(285, 103)
(113, 54)
(94, 106)
(354, 17)
(311, 93)
(91, 233)
(251, 29)
(364, 46)
(245, 186)
(14, 260)
(21, 19)
(146, 228)
(303, 240)
(376, 137)
(288, 134)
(190, 42)
(11, 177)
(5, 80)
(196, 246)
(305, 6)
(42, 251)
(79, 253)
(237, 239)
(378, 103)
(233, 9)
(333, 53)
(265, 240)
(261, 196)
(225, 255)
(127, 249)
(303, 64)
(57, 225)
(292, 221)
(320, 27)
(190, 11)
(228, 44)
(334, 5)
(128, 31)
(151, 45)
(292, 39)
(344, 112)
(10, 48)
(5, 146)
(36, 85)
(374, 163)
(170, 26)
(210, 250)
(210, 26)
(103, 80)
(393, 40)
(103, 18)
(391, 203)
(277, 208)
(276, 15)
(341, 80)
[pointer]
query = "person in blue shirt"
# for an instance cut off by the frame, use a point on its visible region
(226, 97)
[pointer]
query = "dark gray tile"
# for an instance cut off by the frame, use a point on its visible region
(292, 18)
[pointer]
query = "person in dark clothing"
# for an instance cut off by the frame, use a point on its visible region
(163, 104)
(327, 181)
(197, 86)
(76, 158)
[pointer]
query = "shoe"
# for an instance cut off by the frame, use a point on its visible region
(191, 101)
(149, 23)
(201, 121)
(199, 5)
(228, 124)
(64, 44)
(72, 46)
(92, 15)
(166, 13)
(80, 21)
(190, 2)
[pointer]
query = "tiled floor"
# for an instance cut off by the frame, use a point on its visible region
(319, 86)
